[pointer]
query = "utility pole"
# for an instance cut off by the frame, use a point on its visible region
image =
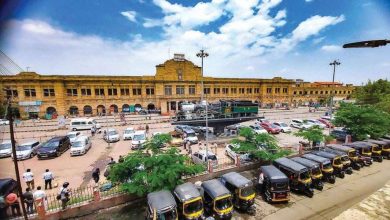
(11, 130)
(334, 64)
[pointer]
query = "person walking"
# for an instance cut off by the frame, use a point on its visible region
(40, 194)
(28, 177)
(64, 195)
(48, 177)
(147, 128)
(93, 130)
(13, 202)
(121, 159)
(29, 200)
(112, 161)
(96, 175)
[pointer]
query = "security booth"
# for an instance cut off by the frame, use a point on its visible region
(356, 162)
(383, 145)
(326, 167)
(217, 199)
(299, 175)
(242, 189)
(347, 164)
(275, 185)
(189, 200)
(315, 171)
(338, 167)
(161, 206)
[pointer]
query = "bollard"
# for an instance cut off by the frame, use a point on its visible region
(40, 206)
(348, 139)
(210, 166)
(238, 161)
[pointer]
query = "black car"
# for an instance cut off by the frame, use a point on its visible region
(340, 135)
(53, 147)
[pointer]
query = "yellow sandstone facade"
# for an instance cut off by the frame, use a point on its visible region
(176, 80)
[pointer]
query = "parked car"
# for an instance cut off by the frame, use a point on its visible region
(180, 128)
(327, 117)
(229, 151)
(177, 140)
(283, 127)
(271, 128)
(298, 123)
(111, 135)
(4, 122)
(53, 147)
(73, 135)
(128, 133)
(327, 123)
(190, 136)
(83, 124)
(258, 129)
(80, 146)
(339, 133)
(138, 140)
(314, 122)
(5, 148)
(27, 150)
(203, 156)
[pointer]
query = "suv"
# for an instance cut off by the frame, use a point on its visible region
(229, 151)
(339, 134)
(53, 147)
(200, 158)
(300, 124)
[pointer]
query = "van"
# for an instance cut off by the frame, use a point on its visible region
(83, 124)
(190, 136)
(139, 140)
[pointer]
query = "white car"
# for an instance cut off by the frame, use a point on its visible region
(5, 148)
(283, 127)
(201, 158)
(258, 129)
(314, 122)
(111, 135)
(4, 122)
(128, 133)
(232, 154)
(73, 135)
(27, 150)
(80, 146)
(300, 124)
(138, 140)
(190, 136)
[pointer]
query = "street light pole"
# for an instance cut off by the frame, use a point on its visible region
(334, 64)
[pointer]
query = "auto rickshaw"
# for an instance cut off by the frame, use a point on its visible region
(161, 206)
(298, 174)
(384, 145)
(376, 151)
(347, 167)
(275, 184)
(366, 149)
(315, 171)
(189, 200)
(217, 199)
(326, 167)
(338, 167)
(356, 162)
(242, 189)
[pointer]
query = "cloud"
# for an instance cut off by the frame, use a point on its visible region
(308, 0)
(148, 23)
(130, 15)
(331, 48)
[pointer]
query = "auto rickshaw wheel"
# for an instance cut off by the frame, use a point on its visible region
(320, 187)
(356, 167)
(341, 175)
(380, 159)
(332, 180)
(349, 171)
(309, 193)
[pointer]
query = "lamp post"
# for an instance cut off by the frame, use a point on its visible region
(334, 64)
(202, 54)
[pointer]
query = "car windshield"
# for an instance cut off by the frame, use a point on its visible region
(5, 146)
(304, 175)
(93, 121)
(78, 144)
(247, 191)
(139, 137)
(169, 215)
(344, 158)
(222, 204)
(367, 150)
(23, 147)
(112, 133)
(191, 135)
(193, 207)
(327, 166)
(129, 131)
(386, 147)
(281, 186)
(376, 148)
(273, 126)
(337, 161)
(71, 135)
(50, 144)
(316, 171)
(212, 157)
(283, 125)
(352, 153)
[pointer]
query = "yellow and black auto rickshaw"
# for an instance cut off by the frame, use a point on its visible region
(274, 184)
(376, 150)
(383, 145)
(356, 162)
(367, 149)
(315, 171)
(217, 199)
(242, 189)
(189, 201)
(338, 167)
(347, 164)
(161, 206)
(326, 167)
(299, 175)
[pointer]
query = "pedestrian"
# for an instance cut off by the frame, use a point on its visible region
(93, 130)
(189, 150)
(121, 159)
(28, 177)
(13, 202)
(48, 177)
(96, 175)
(64, 195)
(29, 200)
(185, 145)
(39, 194)
(147, 128)
(112, 161)
(261, 181)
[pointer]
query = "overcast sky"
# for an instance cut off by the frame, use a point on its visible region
(245, 38)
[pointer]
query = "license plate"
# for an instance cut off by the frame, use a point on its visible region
(43, 155)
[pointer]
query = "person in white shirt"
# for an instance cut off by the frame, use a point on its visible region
(40, 194)
(48, 177)
(28, 177)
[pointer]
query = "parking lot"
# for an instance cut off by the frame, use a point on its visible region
(77, 170)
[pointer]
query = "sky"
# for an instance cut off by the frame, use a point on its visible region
(294, 39)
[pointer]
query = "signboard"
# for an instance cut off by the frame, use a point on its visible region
(30, 103)
(31, 108)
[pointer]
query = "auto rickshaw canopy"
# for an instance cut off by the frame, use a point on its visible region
(292, 165)
(340, 147)
(274, 174)
(236, 180)
(306, 162)
(325, 154)
(186, 191)
(215, 188)
(161, 200)
(360, 145)
(316, 158)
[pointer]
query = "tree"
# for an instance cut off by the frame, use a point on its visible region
(141, 173)
(374, 93)
(247, 133)
(313, 134)
(361, 121)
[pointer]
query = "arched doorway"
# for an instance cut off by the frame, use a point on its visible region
(151, 106)
(114, 108)
(101, 110)
(137, 107)
(73, 110)
(125, 108)
(51, 110)
(300, 103)
(87, 110)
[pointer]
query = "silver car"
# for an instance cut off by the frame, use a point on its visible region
(27, 150)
